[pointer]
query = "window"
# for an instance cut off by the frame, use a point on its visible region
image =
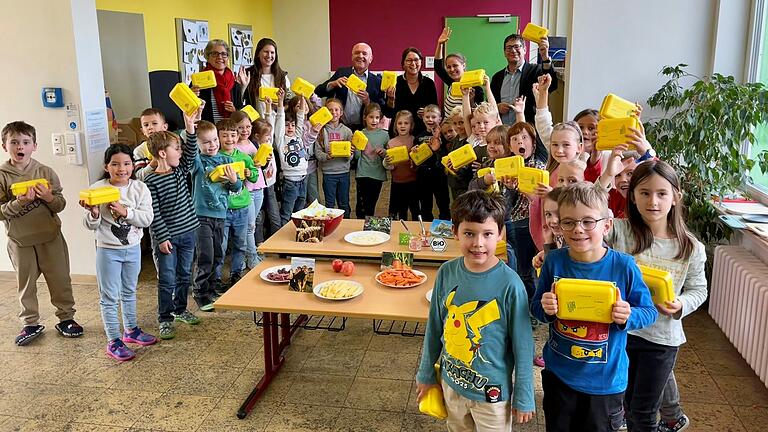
(759, 72)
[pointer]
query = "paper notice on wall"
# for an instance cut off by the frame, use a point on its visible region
(96, 131)
(190, 52)
(190, 30)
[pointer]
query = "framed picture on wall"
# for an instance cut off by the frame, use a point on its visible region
(192, 36)
(241, 42)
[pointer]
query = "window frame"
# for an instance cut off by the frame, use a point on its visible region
(753, 63)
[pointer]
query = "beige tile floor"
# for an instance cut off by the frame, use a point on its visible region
(348, 381)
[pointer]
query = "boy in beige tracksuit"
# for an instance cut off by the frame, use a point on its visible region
(35, 242)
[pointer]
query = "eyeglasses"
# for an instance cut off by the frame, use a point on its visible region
(413, 60)
(588, 224)
(223, 54)
(516, 47)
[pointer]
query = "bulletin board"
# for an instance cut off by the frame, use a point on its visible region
(192, 37)
(241, 43)
(488, 55)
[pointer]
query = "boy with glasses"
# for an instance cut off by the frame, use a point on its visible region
(586, 364)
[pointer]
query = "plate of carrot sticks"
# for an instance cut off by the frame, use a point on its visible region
(401, 278)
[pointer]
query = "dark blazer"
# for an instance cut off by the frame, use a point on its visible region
(373, 88)
(426, 94)
(531, 74)
(207, 96)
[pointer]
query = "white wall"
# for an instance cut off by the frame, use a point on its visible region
(303, 38)
(615, 47)
(54, 44)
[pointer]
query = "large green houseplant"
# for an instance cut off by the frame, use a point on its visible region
(701, 136)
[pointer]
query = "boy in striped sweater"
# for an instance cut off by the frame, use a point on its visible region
(174, 228)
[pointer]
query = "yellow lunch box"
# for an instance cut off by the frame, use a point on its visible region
(585, 300)
(613, 132)
(421, 153)
(268, 92)
(388, 79)
(185, 98)
(302, 87)
(252, 113)
(508, 166)
(321, 116)
(359, 140)
(534, 33)
(528, 179)
(204, 80)
(341, 149)
(218, 173)
(456, 90)
(659, 283)
(432, 404)
(398, 154)
(355, 84)
(615, 107)
(483, 171)
(445, 161)
(260, 158)
(21, 188)
(462, 156)
(501, 248)
(100, 195)
(472, 78)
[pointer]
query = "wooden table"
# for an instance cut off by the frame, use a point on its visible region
(277, 302)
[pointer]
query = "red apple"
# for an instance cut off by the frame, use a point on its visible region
(348, 267)
(337, 265)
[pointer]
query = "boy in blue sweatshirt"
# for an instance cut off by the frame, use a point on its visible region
(586, 362)
(478, 329)
(211, 199)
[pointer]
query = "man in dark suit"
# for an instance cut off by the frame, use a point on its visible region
(354, 103)
(518, 77)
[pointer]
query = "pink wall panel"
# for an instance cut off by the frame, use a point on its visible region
(391, 26)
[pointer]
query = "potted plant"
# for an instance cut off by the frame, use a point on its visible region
(701, 136)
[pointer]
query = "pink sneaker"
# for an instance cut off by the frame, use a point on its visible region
(539, 361)
(138, 336)
(118, 351)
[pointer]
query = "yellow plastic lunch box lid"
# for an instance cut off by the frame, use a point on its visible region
(613, 132)
(185, 98)
(302, 87)
(21, 188)
(388, 79)
(615, 107)
(355, 84)
(528, 179)
(252, 113)
(659, 283)
(534, 33)
(260, 158)
(456, 89)
(341, 149)
(462, 156)
(585, 300)
(421, 153)
(359, 140)
(321, 116)
(204, 80)
(217, 174)
(487, 170)
(268, 92)
(100, 195)
(472, 78)
(398, 154)
(508, 166)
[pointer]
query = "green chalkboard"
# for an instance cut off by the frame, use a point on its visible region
(480, 41)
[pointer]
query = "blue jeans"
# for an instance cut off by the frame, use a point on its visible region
(313, 192)
(117, 271)
(525, 250)
(235, 227)
(209, 255)
(336, 190)
(294, 197)
(257, 197)
(174, 272)
(270, 216)
(511, 257)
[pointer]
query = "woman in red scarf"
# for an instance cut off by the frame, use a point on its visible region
(226, 97)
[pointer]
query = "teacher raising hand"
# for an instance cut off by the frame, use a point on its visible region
(224, 99)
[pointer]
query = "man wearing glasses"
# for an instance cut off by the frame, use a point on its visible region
(517, 79)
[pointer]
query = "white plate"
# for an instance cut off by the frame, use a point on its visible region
(316, 290)
(418, 273)
(428, 295)
(274, 269)
(367, 238)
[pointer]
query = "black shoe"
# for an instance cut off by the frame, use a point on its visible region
(221, 287)
(28, 333)
(69, 328)
(204, 303)
(233, 278)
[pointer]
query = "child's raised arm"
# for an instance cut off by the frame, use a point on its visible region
(466, 110)
(543, 118)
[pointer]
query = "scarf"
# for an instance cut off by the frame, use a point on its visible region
(223, 90)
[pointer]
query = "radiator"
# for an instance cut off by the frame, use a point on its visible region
(738, 302)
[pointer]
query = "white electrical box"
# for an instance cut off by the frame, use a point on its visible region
(73, 148)
(57, 139)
